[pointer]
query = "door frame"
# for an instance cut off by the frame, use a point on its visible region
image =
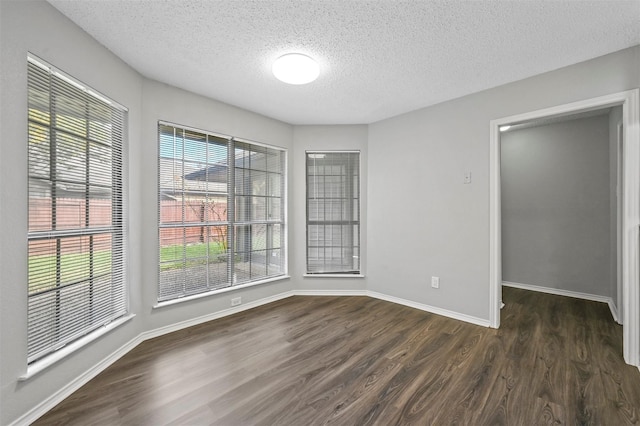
(630, 101)
(619, 207)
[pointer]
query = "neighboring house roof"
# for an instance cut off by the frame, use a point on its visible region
(216, 173)
(191, 178)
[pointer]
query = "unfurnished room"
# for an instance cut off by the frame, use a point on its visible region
(305, 212)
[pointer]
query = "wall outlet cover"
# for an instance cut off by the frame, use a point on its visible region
(435, 282)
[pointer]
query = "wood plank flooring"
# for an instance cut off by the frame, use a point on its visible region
(363, 361)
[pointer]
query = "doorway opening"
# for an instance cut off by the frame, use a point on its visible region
(629, 214)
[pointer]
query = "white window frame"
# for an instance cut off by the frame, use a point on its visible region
(50, 337)
(205, 287)
(329, 269)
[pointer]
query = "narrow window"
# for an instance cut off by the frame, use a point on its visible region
(76, 232)
(219, 225)
(333, 212)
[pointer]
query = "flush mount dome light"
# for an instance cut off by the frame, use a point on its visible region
(295, 68)
(504, 128)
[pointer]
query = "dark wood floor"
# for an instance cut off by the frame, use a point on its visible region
(361, 361)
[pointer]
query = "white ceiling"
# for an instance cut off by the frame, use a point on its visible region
(377, 58)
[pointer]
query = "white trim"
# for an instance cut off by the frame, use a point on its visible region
(432, 309)
(332, 151)
(567, 293)
(67, 350)
(630, 101)
(212, 316)
(218, 291)
(495, 227)
(619, 215)
(374, 294)
(614, 311)
(333, 276)
(48, 404)
(331, 293)
(630, 224)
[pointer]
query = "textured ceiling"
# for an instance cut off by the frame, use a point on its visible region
(377, 58)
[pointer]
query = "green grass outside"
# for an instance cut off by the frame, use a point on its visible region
(171, 257)
(73, 267)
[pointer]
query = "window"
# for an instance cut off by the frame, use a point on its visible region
(221, 208)
(333, 212)
(76, 214)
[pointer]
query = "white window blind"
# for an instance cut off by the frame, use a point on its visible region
(333, 212)
(76, 214)
(219, 226)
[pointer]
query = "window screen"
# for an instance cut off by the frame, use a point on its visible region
(220, 225)
(76, 215)
(333, 212)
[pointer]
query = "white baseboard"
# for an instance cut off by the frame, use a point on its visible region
(330, 292)
(569, 293)
(46, 405)
(614, 311)
(431, 309)
(213, 316)
(399, 301)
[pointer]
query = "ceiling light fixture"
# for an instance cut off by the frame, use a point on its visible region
(295, 68)
(504, 128)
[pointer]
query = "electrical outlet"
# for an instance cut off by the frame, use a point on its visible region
(467, 178)
(435, 282)
(236, 301)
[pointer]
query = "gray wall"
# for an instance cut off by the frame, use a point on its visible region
(420, 219)
(328, 138)
(416, 166)
(38, 28)
(28, 26)
(163, 102)
(555, 206)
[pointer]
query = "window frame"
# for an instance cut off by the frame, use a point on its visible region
(346, 273)
(49, 337)
(231, 222)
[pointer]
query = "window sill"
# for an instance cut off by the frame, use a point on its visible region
(218, 291)
(63, 352)
(333, 276)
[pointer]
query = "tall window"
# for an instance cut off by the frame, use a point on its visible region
(76, 215)
(221, 208)
(333, 212)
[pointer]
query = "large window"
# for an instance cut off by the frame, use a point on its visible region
(221, 208)
(333, 212)
(76, 214)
